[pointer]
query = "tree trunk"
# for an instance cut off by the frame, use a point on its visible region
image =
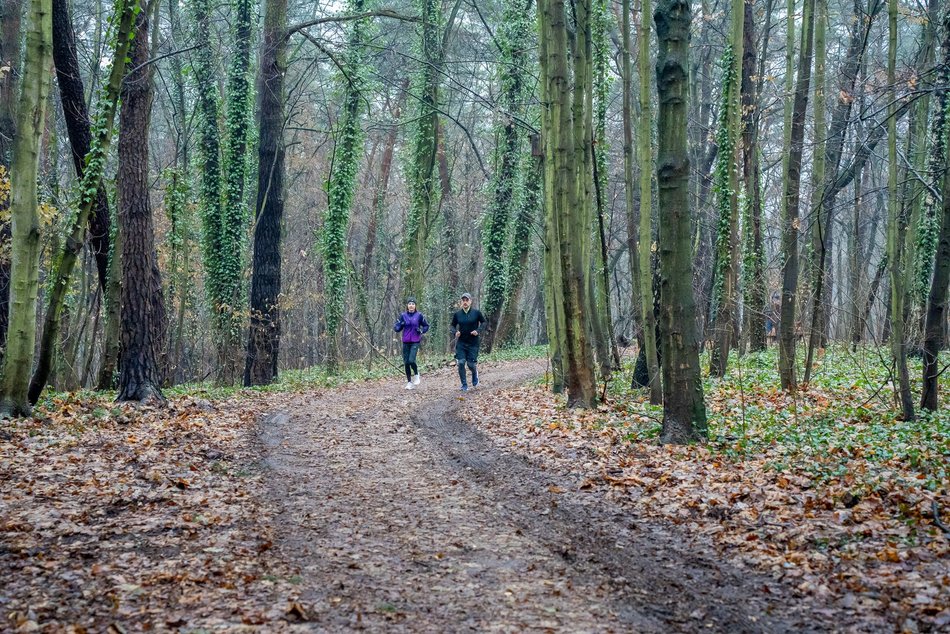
(894, 233)
(73, 98)
(790, 220)
(644, 251)
(423, 180)
(143, 321)
(233, 223)
(264, 336)
(347, 154)
(937, 298)
(727, 192)
(91, 168)
(930, 219)
(821, 232)
(510, 324)
(684, 413)
(25, 257)
(512, 35)
(754, 255)
(10, 15)
(629, 183)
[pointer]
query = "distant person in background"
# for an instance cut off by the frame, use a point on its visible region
(772, 314)
(466, 322)
(412, 324)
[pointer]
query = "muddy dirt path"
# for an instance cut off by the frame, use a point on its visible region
(400, 517)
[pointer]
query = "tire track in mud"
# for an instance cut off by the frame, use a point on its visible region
(401, 517)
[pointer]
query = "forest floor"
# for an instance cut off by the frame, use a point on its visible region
(367, 506)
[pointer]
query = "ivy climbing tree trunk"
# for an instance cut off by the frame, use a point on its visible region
(25, 257)
(143, 320)
(92, 194)
(514, 31)
(935, 319)
(73, 98)
(753, 256)
(510, 323)
(726, 188)
(684, 412)
(791, 201)
(233, 222)
(263, 340)
(423, 181)
(928, 235)
(207, 109)
(347, 154)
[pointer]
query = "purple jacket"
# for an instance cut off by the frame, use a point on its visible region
(413, 326)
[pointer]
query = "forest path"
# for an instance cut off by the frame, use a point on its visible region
(401, 517)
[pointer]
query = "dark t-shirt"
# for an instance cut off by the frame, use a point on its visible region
(465, 323)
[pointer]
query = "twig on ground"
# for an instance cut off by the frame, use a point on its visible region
(935, 509)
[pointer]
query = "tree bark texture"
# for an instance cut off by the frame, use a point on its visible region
(10, 11)
(790, 219)
(73, 97)
(25, 257)
(92, 195)
(684, 412)
(143, 320)
(644, 253)
(895, 234)
(937, 298)
(264, 335)
(754, 254)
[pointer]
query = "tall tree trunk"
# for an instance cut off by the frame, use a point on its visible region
(510, 324)
(790, 220)
(630, 185)
(263, 341)
(10, 15)
(423, 180)
(727, 192)
(605, 346)
(576, 137)
(25, 257)
(935, 320)
(820, 233)
(233, 223)
(207, 115)
(928, 235)
(754, 252)
(645, 236)
(894, 233)
(143, 330)
(512, 35)
(552, 51)
(347, 154)
(73, 97)
(91, 198)
(684, 412)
